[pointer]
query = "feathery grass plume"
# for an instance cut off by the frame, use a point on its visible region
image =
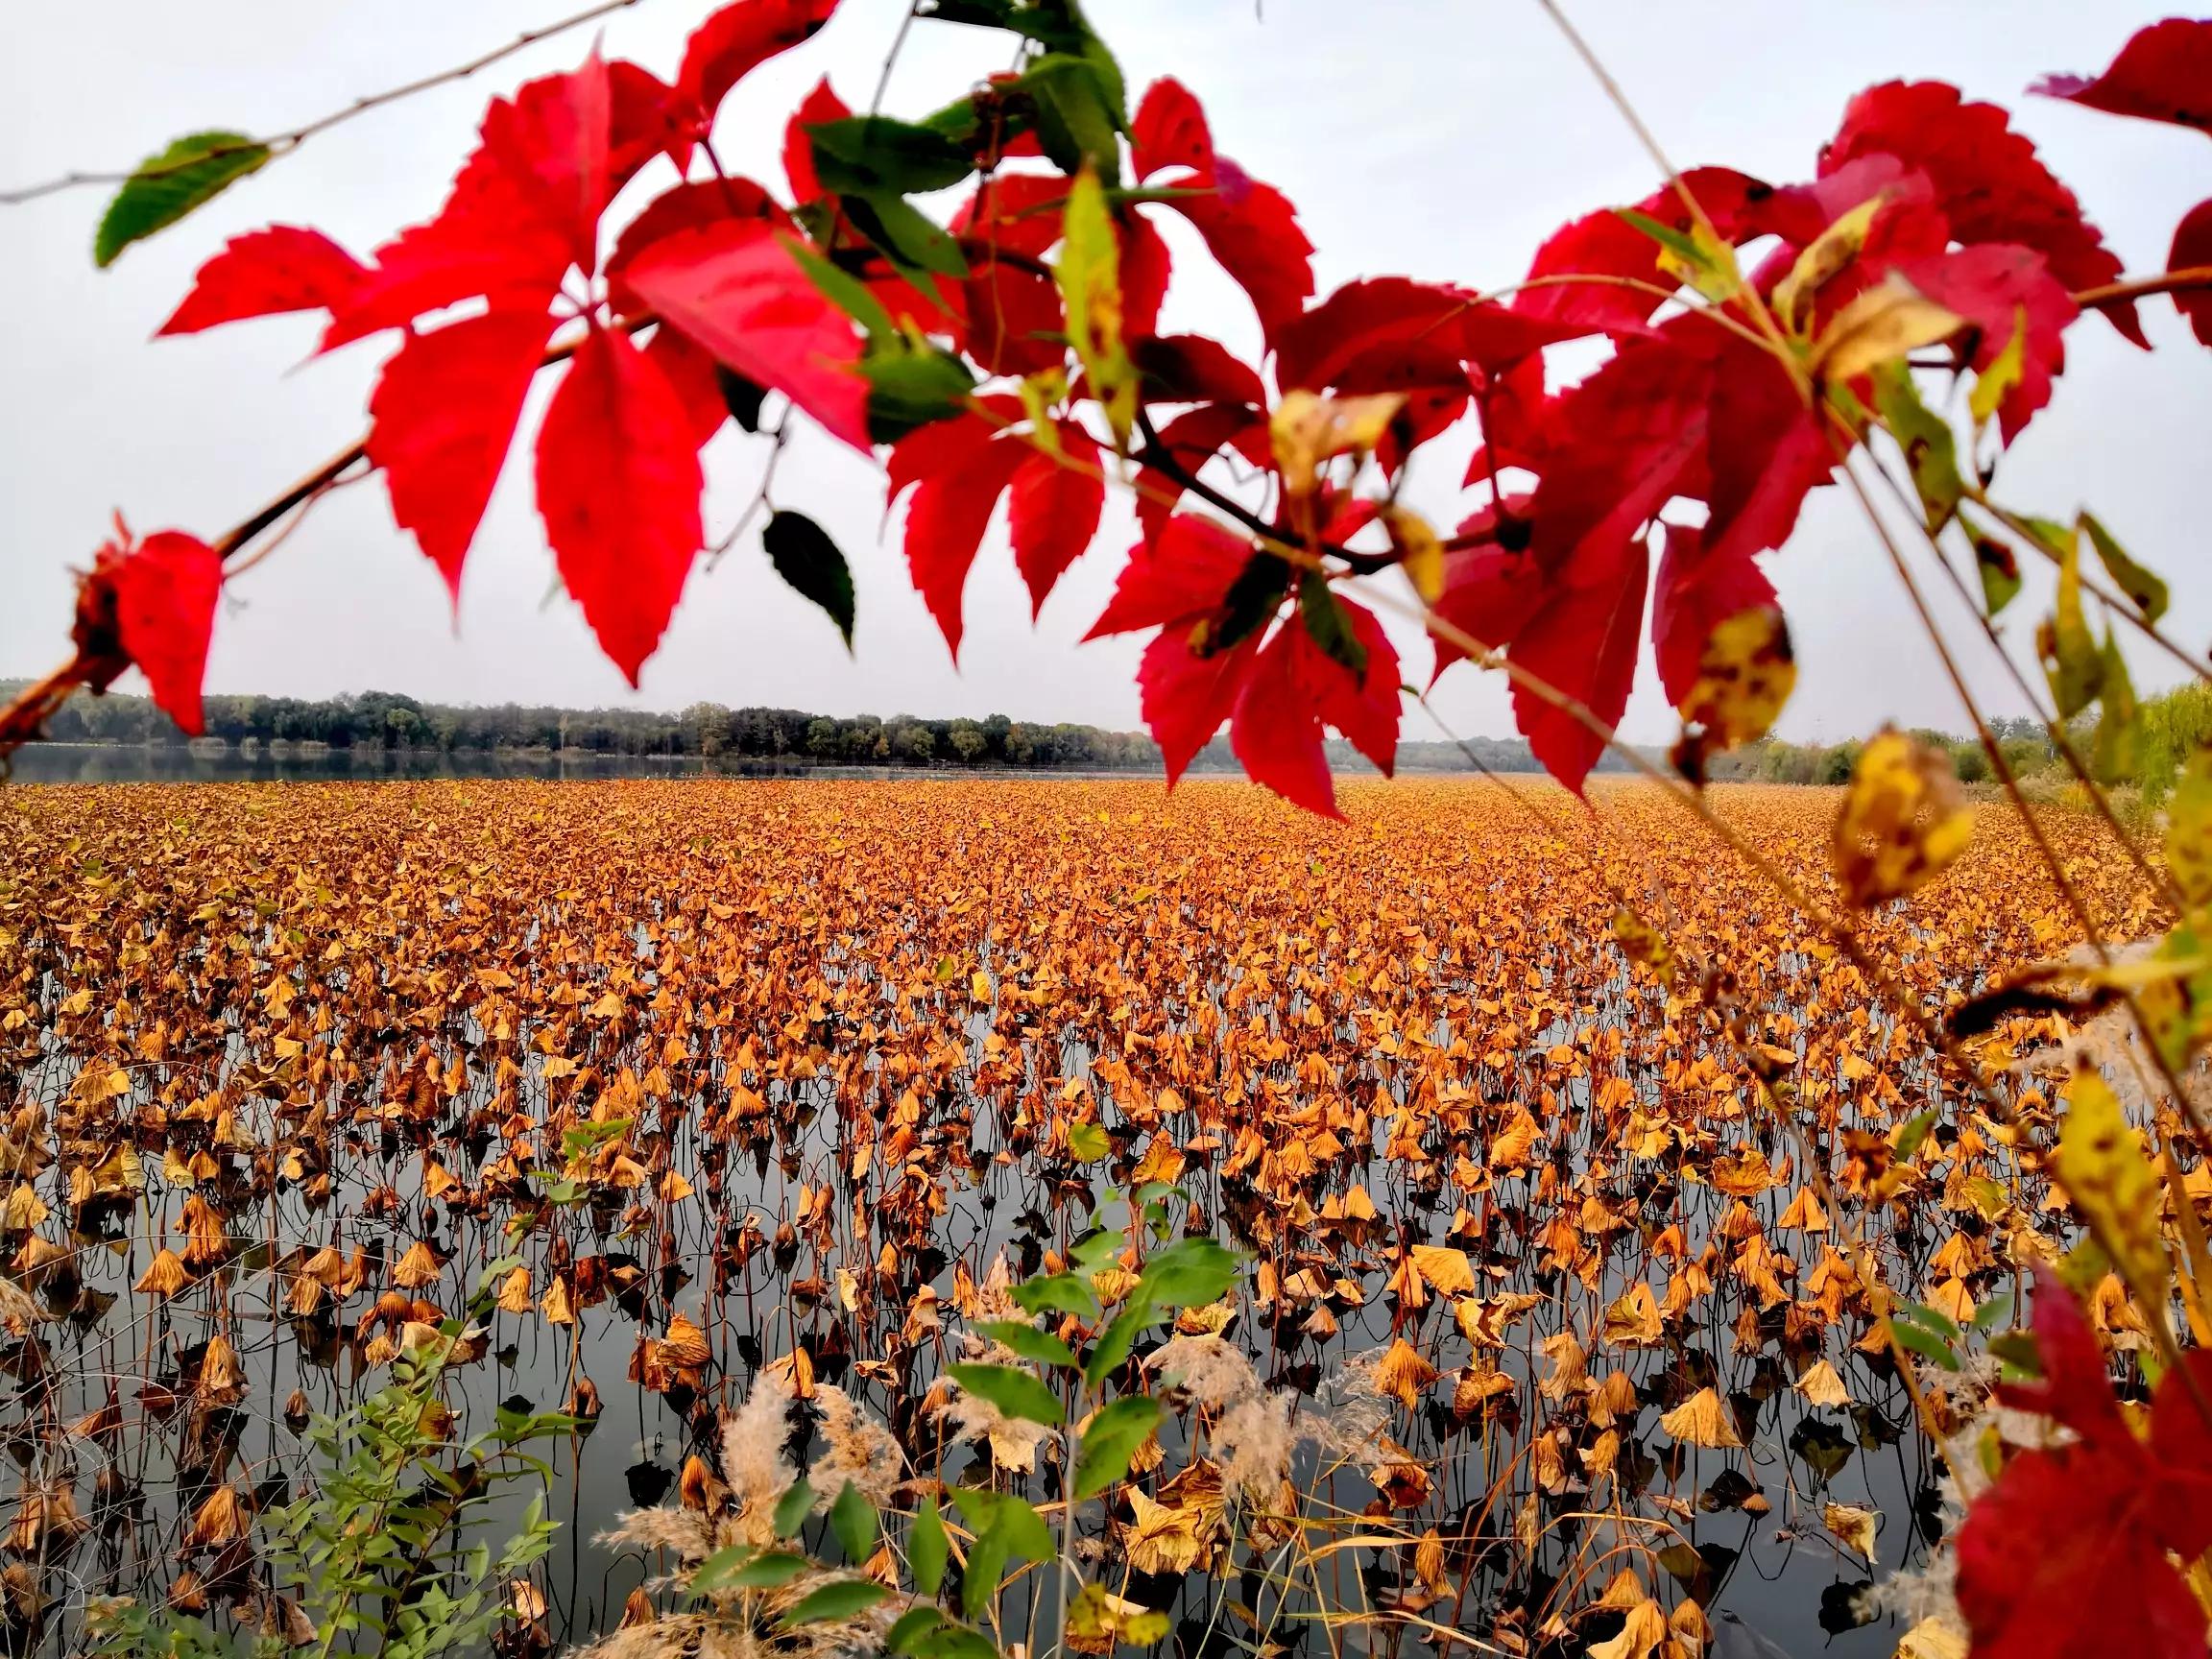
(1212, 1371)
(860, 1451)
(754, 1462)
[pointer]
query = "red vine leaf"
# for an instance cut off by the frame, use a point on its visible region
(1989, 180)
(1696, 591)
(265, 272)
(1184, 696)
(1169, 130)
(945, 526)
(1252, 231)
(1992, 285)
(1581, 642)
(165, 592)
(441, 421)
(737, 290)
(618, 487)
(2193, 248)
(738, 40)
(818, 106)
(2164, 73)
(2097, 1581)
(1053, 509)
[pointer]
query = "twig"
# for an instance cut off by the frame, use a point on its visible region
(283, 143)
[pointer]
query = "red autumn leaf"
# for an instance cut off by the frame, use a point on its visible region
(1490, 591)
(692, 375)
(737, 289)
(945, 445)
(1145, 268)
(1697, 590)
(618, 487)
(2067, 1553)
(1605, 246)
(692, 206)
(1016, 322)
(1628, 435)
(553, 138)
(1363, 706)
(817, 106)
(738, 40)
(1192, 368)
(1012, 212)
(645, 119)
(1252, 231)
(2193, 248)
(945, 526)
(441, 421)
(1991, 285)
(1581, 642)
(1178, 575)
(2164, 73)
(495, 239)
(263, 272)
(1353, 335)
(1053, 509)
(1185, 697)
(1766, 450)
(1988, 181)
(165, 590)
(1275, 732)
(1169, 130)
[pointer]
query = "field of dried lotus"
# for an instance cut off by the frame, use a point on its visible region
(729, 1117)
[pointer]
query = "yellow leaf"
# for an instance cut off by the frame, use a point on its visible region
(1903, 820)
(1882, 325)
(2100, 1163)
(1745, 676)
(1446, 1271)
(1995, 383)
(1854, 1525)
(2189, 832)
(1160, 1539)
(1307, 429)
(1827, 254)
(1820, 1386)
(1420, 551)
(1089, 277)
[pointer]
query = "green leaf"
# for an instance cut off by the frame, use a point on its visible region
(1189, 1273)
(1925, 436)
(2017, 1351)
(1059, 1292)
(1326, 621)
(981, 1577)
(1914, 1131)
(2000, 570)
(1927, 1318)
(2118, 751)
(1088, 1142)
(1039, 1346)
(812, 565)
(909, 238)
(1120, 1336)
(189, 174)
(1078, 118)
(2147, 591)
(1003, 1515)
(863, 155)
(853, 1521)
(1692, 256)
(2071, 659)
(1248, 606)
(843, 289)
(791, 1509)
(910, 385)
(1014, 1392)
(1089, 273)
(753, 1572)
(1925, 1343)
(1097, 1250)
(839, 1598)
(1111, 1440)
(927, 1549)
(912, 1625)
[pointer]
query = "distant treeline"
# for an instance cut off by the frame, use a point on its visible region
(2024, 744)
(384, 720)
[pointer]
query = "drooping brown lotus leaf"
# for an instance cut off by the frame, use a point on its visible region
(1404, 1373)
(418, 1267)
(1821, 1385)
(165, 1275)
(1158, 1538)
(225, 1516)
(1702, 1420)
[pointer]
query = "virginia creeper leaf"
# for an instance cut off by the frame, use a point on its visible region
(264, 273)
(811, 563)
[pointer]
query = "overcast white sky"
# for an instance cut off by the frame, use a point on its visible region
(1439, 140)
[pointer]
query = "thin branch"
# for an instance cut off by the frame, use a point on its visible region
(283, 143)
